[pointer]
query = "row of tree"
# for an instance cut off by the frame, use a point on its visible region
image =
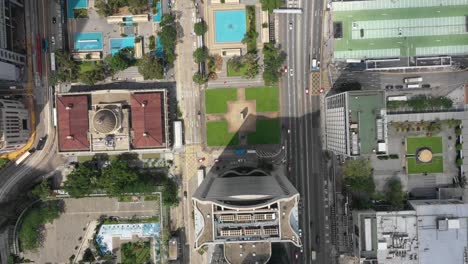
(107, 8)
(423, 102)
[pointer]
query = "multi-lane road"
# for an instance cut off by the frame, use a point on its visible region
(300, 38)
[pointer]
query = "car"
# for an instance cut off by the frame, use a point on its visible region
(41, 142)
(289, 168)
(216, 160)
(285, 68)
(291, 72)
(54, 20)
(52, 40)
(289, 131)
(388, 87)
(290, 26)
(322, 90)
(398, 86)
(426, 85)
(201, 159)
(296, 255)
(307, 90)
(185, 195)
(317, 239)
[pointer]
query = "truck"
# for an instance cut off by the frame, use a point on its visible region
(313, 255)
(413, 79)
(178, 140)
(240, 151)
(200, 175)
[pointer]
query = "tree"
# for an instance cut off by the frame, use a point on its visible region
(235, 63)
(121, 60)
(168, 37)
(81, 181)
(358, 175)
(88, 256)
(137, 6)
(117, 178)
(199, 79)
(394, 194)
(250, 60)
(200, 28)
(200, 54)
(169, 193)
(459, 146)
(102, 8)
(459, 162)
(150, 67)
(92, 76)
(42, 190)
(273, 59)
(270, 5)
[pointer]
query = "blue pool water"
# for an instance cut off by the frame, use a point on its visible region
(117, 44)
(75, 4)
(88, 41)
(230, 26)
(157, 16)
(159, 48)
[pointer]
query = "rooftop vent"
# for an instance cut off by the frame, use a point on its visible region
(70, 137)
(145, 134)
(69, 106)
(144, 104)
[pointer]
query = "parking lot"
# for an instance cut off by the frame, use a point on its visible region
(64, 236)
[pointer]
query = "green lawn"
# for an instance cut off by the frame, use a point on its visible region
(217, 134)
(436, 166)
(268, 132)
(233, 73)
(216, 100)
(151, 156)
(266, 97)
(413, 143)
(87, 66)
(138, 252)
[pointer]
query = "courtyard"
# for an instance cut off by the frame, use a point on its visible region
(242, 116)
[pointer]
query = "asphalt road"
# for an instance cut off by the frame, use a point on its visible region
(16, 180)
(301, 114)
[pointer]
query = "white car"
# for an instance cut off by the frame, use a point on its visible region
(290, 26)
(52, 40)
(291, 72)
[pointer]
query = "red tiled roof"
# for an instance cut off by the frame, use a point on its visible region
(73, 123)
(147, 120)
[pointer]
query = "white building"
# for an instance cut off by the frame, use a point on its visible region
(14, 125)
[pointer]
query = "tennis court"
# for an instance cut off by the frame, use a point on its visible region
(373, 29)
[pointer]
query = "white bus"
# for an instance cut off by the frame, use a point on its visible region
(412, 86)
(22, 157)
(397, 98)
(52, 61)
(177, 134)
(413, 80)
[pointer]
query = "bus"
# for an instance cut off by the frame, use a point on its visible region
(413, 86)
(22, 157)
(397, 98)
(413, 79)
(52, 61)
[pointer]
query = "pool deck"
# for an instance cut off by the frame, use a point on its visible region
(212, 45)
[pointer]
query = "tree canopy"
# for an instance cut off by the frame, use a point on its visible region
(250, 61)
(200, 54)
(121, 60)
(198, 78)
(81, 181)
(273, 60)
(270, 5)
(358, 175)
(42, 190)
(168, 37)
(200, 28)
(151, 67)
(394, 194)
(117, 177)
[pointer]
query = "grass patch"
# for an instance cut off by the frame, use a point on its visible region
(125, 199)
(3, 162)
(136, 252)
(434, 143)
(82, 159)
(86, 66)
(436, 166)
(267, 132)
(151, 198)
(216, 100)
(112, 221)
(231, 72)
(151, 156)
(217, 134)
(266, 97)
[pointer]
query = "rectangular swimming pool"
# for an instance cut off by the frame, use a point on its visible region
(117, 44)
(230, 26)
(75, 4)
(88, 41)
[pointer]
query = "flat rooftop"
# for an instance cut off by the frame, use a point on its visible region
(404, 28)
(364, 107)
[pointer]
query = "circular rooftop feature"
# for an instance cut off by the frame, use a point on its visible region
(105, 121)
(424, 155)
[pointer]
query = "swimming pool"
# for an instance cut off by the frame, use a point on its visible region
(88, 41)
(75, 4)
(158, 15)
(230, 26)
(117, 44)
(159, 48)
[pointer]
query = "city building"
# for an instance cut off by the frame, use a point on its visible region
(14, 125)
(112, 121)
(261, 209)
(11, 61)
(355, 123)
(433, 231)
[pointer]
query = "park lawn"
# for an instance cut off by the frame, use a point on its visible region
(233, 73)
(267, 98)
(414, 143)
(217, 134)
(138, 252)
(267, 132)
(216, 100)
(436, 166)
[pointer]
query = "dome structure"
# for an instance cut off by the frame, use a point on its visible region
(105, 121)
(424, 155)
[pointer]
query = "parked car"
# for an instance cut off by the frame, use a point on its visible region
(54, 20)
(426, 85)
(291, 72)
(290, 26)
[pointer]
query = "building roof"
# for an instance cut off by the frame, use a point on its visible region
(73, 123)
(147, 120)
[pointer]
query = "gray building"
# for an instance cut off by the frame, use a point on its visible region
(432, 232)
(246, 212)
(355, 123)
(14, 125)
